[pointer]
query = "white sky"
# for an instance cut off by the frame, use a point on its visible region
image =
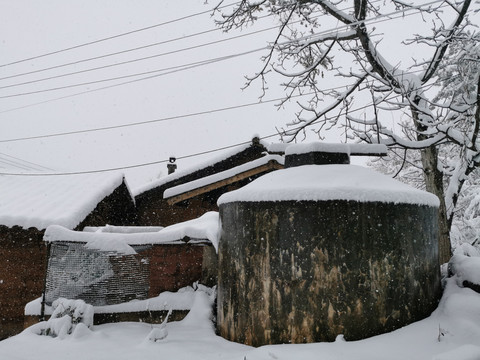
(29, 28)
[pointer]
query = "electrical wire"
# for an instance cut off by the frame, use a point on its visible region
(166, 160)
(115, 36)
(128, 166)
(194, 65)
(133, 60)
(324, 33)
(109, 55)
(20, 163)
(10, 164)
(206, 112)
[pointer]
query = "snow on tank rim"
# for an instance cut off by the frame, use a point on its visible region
(329, 182)
(304, 148)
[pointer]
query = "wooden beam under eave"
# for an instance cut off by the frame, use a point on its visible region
(271, 165)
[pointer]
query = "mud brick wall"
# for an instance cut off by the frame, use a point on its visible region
(174, 266)
(22, 269)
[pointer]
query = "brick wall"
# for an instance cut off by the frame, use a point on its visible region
(173, 267)
(22, 269)
(23, 258)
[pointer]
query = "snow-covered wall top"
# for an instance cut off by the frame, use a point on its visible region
(40, 201)
(183, 299)
(276, 147)
(122, 229)
(329, 182)
(207, 180)
(358, 149)
(203, 228)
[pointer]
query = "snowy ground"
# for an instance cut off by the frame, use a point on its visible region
(451, 332)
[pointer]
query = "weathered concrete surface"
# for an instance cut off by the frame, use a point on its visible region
(296, 272)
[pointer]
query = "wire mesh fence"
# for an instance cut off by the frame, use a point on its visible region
(97, 277)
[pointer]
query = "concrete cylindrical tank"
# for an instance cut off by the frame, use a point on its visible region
(314, 251)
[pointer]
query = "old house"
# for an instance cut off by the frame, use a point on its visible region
(28, 205)
(187, 194)
(94, 201)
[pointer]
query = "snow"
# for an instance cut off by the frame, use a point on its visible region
(317, 146)
(122, 229)
(203, 228)
(305, 148)
(181, 173)
(276, 147)
(181, 300)
(40, 201)
(451, 332)
(66, 316)
(329, 182)
(110, 245)
(207, 180)
(465, 268)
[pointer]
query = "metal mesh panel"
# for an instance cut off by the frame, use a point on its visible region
(97, 277)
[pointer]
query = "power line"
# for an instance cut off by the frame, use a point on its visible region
(166, 160)
(20, 163)
(115, 36)
(128, 166)
(155, 120)
(109, 55)
(177, 69)
(328, 31)
(18, 166)
(325, 32)
(181, 116)
(130, 61)
(124, 34)
(91, 59)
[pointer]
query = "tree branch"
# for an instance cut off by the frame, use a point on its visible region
(442, 48)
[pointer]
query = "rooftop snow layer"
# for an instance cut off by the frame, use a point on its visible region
(40, 201)
(207, 180)
(204, 227)
(357, 149)
(329, 182)
(201, 165)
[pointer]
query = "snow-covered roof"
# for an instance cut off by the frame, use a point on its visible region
(329, 182)
(41, 201)
(200, 165)
(202, 228)
(218, 177)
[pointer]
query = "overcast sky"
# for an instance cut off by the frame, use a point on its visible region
(31, 28)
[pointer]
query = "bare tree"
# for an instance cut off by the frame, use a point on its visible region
(303, 52)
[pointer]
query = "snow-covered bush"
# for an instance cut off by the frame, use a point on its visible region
(67, 315)
(464, 267)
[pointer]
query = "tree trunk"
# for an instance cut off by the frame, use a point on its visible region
(434, 184)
